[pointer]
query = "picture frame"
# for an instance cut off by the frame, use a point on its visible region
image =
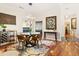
(51, 23)
(73, 23)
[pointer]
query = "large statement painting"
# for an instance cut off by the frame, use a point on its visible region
(51, 23)
(73, 23)
(7, 19)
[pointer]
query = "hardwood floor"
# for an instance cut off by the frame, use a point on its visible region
(64, 49)
(59, 49)
(4, 47)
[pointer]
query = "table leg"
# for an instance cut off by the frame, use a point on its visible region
(56, 37)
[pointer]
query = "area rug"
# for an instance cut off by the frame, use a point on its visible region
(30, 51)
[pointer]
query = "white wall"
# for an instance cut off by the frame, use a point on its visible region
(19, 17)
(63, 12)
(40, 12)
(69, 10)
(51, 12)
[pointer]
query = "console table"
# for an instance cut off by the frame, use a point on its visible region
(47, 32)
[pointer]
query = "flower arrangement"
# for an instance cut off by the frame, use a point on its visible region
(30, 30)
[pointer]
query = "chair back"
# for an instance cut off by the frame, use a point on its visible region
(34, 39)
(21, 37)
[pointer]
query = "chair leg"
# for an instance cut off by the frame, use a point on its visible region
(25, 46)
(19, 45)
(37, 44)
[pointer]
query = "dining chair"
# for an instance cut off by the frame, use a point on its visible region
(27, 40)
(34, 40)
(21, 40)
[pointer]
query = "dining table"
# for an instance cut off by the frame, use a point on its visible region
(29, 37)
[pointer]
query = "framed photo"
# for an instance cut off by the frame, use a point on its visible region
(73, 23)
(51, 23)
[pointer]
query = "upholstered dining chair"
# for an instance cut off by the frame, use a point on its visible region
(27, 40)
(21, 40)
(34, 40)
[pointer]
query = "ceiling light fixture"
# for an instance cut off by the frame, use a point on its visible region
(30, 4)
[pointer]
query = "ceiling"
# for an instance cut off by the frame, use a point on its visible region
(35, 9)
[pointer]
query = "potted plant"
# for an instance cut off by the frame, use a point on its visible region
(3, 27)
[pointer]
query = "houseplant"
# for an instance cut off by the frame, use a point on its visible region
(3, 27)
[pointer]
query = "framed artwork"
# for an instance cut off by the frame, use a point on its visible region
(51, 23)
(73, 23)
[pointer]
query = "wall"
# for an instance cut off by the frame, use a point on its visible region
(67, 12)
(51, 12)
(19, 18)
(40, 12)
(63, 12)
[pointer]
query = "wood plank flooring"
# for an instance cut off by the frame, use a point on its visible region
(4, 47)
(59, 49)
(64, 49)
